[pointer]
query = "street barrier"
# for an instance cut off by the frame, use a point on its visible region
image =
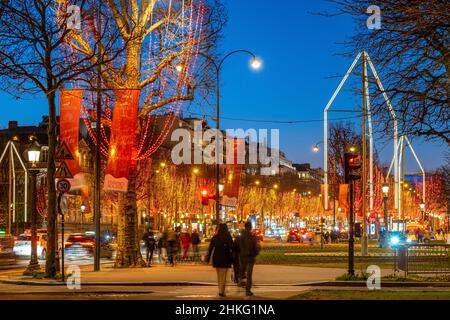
(423, 258)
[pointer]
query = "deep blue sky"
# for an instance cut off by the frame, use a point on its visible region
(299, 50)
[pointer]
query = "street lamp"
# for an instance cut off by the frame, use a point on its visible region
(255, 63)
(422, 209)
(339, 213)
(83, 209)
(385, 189)
(316, 146)
(34, 153)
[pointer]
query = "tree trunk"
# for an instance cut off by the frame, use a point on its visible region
(50, 263)
(128, 249)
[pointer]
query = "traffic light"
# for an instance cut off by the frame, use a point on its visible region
(205, 197)
(352, 165)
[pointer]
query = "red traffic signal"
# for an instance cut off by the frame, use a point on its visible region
(353, 162)
(205, 197)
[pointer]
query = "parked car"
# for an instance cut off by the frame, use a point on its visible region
(22, 245)
(80, 245)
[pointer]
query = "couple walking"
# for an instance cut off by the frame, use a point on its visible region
(241, 253)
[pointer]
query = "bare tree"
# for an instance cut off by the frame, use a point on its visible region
(163, 40)
(411, 52)
(33, 61)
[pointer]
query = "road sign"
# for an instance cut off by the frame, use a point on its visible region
(63, 186)
(63, 172)
(63, 153)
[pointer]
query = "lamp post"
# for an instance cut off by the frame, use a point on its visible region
(255, 64)
(83, 209)
(385, 189)
(34, 152)
(339, 214)
(422, 210)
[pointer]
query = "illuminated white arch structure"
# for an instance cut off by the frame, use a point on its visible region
(399, 153)
(365, 57)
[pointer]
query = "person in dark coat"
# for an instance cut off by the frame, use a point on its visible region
(221, 249)
(195, 245)
(150, 243)
(172, 246)
(236, 260)
(249, 249)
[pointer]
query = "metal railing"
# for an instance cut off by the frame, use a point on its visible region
(423, 259)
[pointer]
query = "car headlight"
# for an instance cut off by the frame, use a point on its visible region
(395, 240)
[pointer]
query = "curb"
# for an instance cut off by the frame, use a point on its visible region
(209, 284)
(108, 284)
(383, 284)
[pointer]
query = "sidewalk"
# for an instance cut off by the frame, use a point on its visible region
(274, 275)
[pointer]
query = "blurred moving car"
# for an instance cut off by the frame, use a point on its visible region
(22, 245)
(298, 235)
(397, 238)
(259, 234)
(81, 245)
(277, 233)
(7, 255)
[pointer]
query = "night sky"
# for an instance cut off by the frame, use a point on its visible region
(300, 57)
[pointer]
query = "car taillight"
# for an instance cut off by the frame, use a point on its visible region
(67, 243)
(88, 244)
(15, 242)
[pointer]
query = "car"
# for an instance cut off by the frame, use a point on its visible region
(397, 238)
(7, 255)
(276, 233)
(259, 234)
(81, 245)
(22, 245)
(298, 235)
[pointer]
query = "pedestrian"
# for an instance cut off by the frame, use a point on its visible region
(150, 242)
(172, 246)
(160, 245)
(221, 249)
(185, 239)
(236, 259)
(195, 239)
(420, 235)
(177, 254)
(327, 237)
(249, 249)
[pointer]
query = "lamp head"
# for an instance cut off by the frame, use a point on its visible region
(316, 148)
(256, 64)
(34, 151)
